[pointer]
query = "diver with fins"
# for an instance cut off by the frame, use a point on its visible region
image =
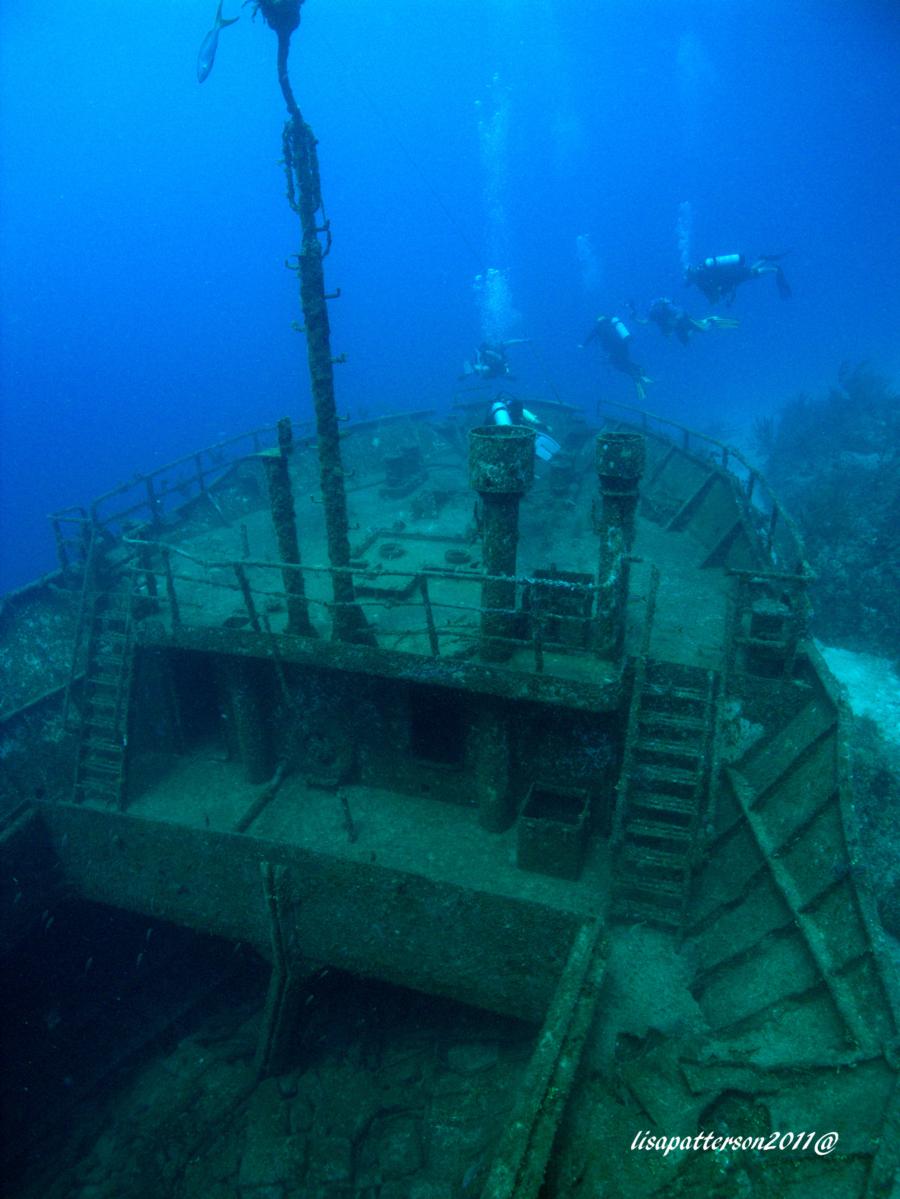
(669, 318)
(509, 410)
(490, 360)
(614, 338)
(720, 277)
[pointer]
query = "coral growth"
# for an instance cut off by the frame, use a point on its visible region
(835, 462)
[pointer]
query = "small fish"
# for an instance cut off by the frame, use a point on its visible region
(210, 44)
(138, 960)
(88, 964)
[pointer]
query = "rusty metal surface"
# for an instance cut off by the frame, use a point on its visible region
(474, 946)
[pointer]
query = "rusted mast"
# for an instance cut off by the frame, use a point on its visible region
(305, 197)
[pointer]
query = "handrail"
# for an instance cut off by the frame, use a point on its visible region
(729, 454)
(140, 478)
(254, 595)
(151, 496)
(361, 572)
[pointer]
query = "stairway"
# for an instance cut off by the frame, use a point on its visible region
(662, 791)
(102, 735)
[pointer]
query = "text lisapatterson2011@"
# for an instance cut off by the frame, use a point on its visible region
(821, 1143)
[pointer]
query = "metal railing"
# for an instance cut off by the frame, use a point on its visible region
(779, 536)
(147, 498)
(191, 598)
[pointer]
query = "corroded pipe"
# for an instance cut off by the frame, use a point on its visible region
(281, 499)
(501, 470)
(620, 465)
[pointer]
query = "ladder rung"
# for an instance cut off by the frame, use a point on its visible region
(633, 909)
(100, 766)
(102, 747)
(657, 859)
(95, 787)
(673, 721)
(683, 805)
(658, 830)
(660, 773)
(657, 691)
(651, 886)
(660, 745)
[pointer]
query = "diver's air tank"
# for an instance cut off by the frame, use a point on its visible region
(500, 413)
(723, 261)
(620, 329)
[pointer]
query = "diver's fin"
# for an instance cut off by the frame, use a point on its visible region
(545, 446)
(723, 322)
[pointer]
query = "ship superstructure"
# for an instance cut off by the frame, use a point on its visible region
(580, 711)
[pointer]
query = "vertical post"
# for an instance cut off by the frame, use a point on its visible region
(620, 465)
(244, 584)
(170, 590)
(501, 470)
(429, 617)
(247, 721)
(152, 501)
(537, 638)
(62, 555)
(770, 532)
(305, 197)
(145, 555)
(288, 983)
(281, 500)
(491, 758)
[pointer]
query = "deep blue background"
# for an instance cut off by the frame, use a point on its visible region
(146, 308)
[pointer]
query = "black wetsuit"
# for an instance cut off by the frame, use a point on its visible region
(614, 338)
(719, 278)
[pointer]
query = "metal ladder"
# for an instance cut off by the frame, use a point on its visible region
(101, 756)
(663, 792)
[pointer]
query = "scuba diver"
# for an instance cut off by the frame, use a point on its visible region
(719, 278)
(509, 410)
(669, 319)
(614, 338)
(490, 361)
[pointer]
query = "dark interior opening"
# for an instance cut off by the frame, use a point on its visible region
(545, 803)
(437, 726)
(199, 701)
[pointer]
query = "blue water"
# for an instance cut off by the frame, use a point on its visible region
(145, 305)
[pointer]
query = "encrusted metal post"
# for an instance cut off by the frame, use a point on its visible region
(429, 617)
(501, 470)
(620, 464)
(171, 594)
(490, 750)
(281, 499)
(247, 724)
(288, 983)
(305, 197)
